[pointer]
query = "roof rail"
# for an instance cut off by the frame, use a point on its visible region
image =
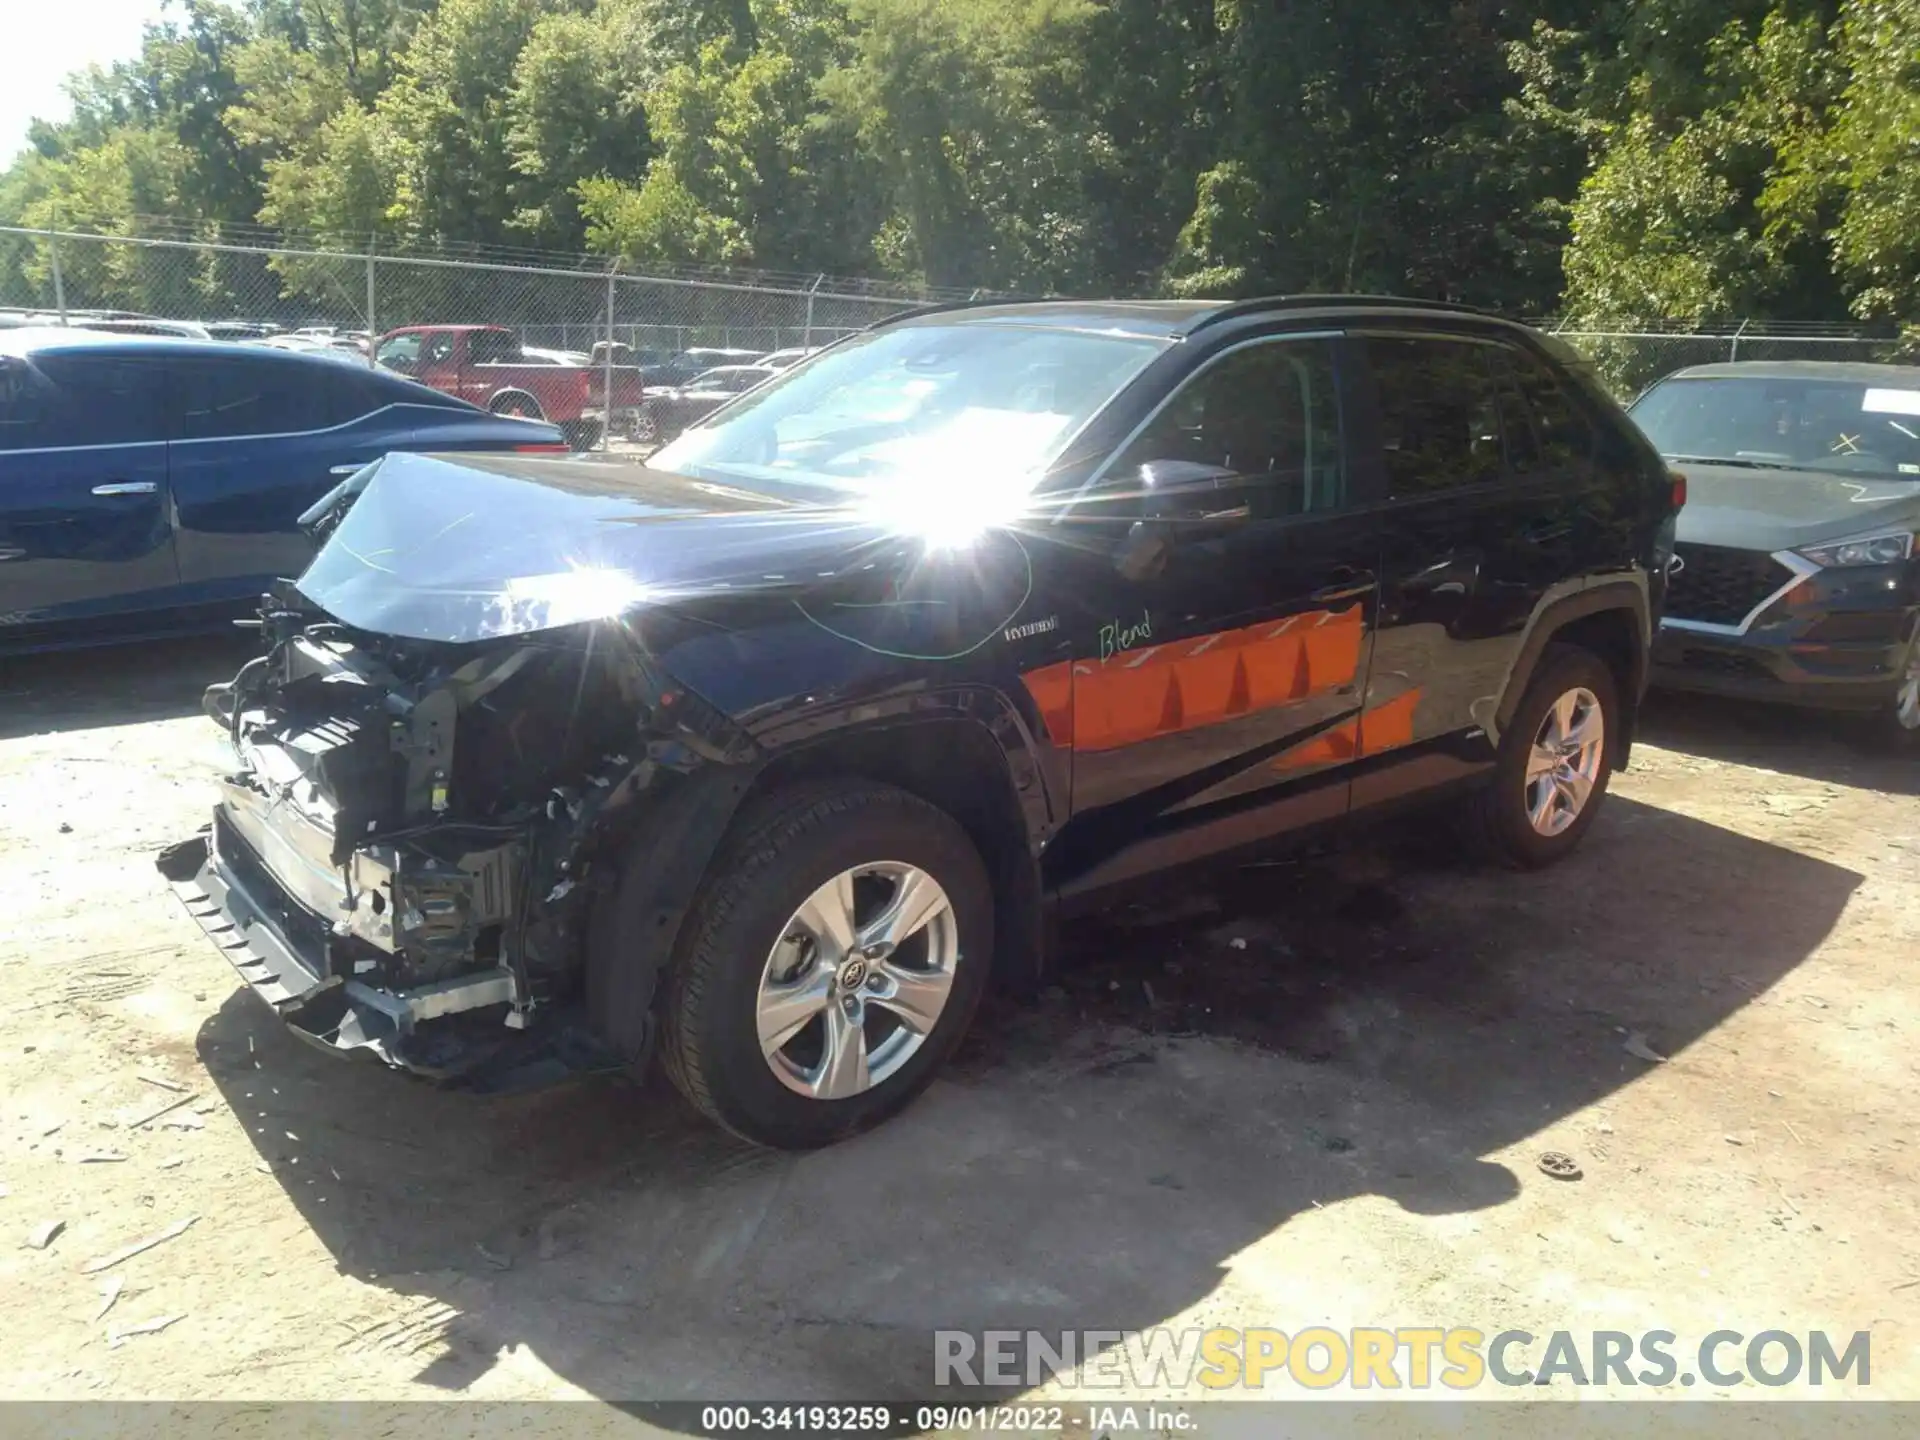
(972, 302)
(1264, 303)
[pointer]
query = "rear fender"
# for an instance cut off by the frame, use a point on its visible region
(1564, 609)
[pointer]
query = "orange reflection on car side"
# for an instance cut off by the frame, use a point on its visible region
(1180, 685)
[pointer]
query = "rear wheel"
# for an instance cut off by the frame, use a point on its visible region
(833, 960)
(581, 434)
(1555, 760)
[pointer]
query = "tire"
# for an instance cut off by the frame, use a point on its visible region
(581, 435)
(1501, 817)
(646, 428)
(747, 945)
(1896, 727)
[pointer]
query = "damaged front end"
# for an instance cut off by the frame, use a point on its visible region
(406, 858)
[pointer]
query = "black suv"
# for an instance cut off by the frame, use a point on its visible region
(766, 753)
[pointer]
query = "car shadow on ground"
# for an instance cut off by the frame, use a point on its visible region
(116, 685)
(1216, 1057)
(1812, 744)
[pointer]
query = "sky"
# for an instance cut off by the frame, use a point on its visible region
(46, 40)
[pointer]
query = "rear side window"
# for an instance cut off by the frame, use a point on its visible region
(1546, 431)
(54, 400)
(492, 347)
(1439, 414)
(222, 399)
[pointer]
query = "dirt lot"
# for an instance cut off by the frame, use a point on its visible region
(1288, 1094)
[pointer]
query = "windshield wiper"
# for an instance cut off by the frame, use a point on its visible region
(1735, 462)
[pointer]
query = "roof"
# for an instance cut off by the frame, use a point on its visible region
(34, 340)
(408, 329)
(1843, 371)
(1172, 319)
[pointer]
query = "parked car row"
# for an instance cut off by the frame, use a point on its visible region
(154, 485)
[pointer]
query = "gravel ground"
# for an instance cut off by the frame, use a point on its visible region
(1312, 1092)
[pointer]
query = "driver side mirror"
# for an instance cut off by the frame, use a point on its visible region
(1177, 498)
(1185, 490)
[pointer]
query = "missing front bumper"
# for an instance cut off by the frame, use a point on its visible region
(454, 1029)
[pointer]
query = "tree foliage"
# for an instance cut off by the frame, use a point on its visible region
(1620, 158)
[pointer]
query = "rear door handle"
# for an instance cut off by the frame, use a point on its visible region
(126, 487)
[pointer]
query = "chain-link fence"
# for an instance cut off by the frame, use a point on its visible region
(562, 308)
(1631, 357)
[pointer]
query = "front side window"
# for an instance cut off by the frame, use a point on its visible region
(1795, 423)
(1439, 414)
(1269, 414)
(401, 353)
(926, 412)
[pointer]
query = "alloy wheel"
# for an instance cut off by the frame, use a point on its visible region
(1564, 764)
(857, 981)
(1906, 700)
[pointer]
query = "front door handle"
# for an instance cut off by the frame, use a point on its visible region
(126, 487)
(349, 469)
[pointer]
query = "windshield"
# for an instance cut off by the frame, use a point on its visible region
(915, 408)
(1786, 424)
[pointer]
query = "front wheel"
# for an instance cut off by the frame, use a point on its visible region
(834, 958)
(1899, 723)
(1555, 760)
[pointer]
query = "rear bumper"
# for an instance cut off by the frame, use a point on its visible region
(300, 964)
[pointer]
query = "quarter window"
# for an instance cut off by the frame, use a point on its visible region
(1439, 414)
(1270, 414)
(218, 399)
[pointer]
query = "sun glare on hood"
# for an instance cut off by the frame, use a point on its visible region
(573, 597)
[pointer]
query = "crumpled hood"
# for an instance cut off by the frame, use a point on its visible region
(1773, 510)
(470, 548)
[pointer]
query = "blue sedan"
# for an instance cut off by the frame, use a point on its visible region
(153, 486)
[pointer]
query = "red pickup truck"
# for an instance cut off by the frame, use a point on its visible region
(485, 365)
